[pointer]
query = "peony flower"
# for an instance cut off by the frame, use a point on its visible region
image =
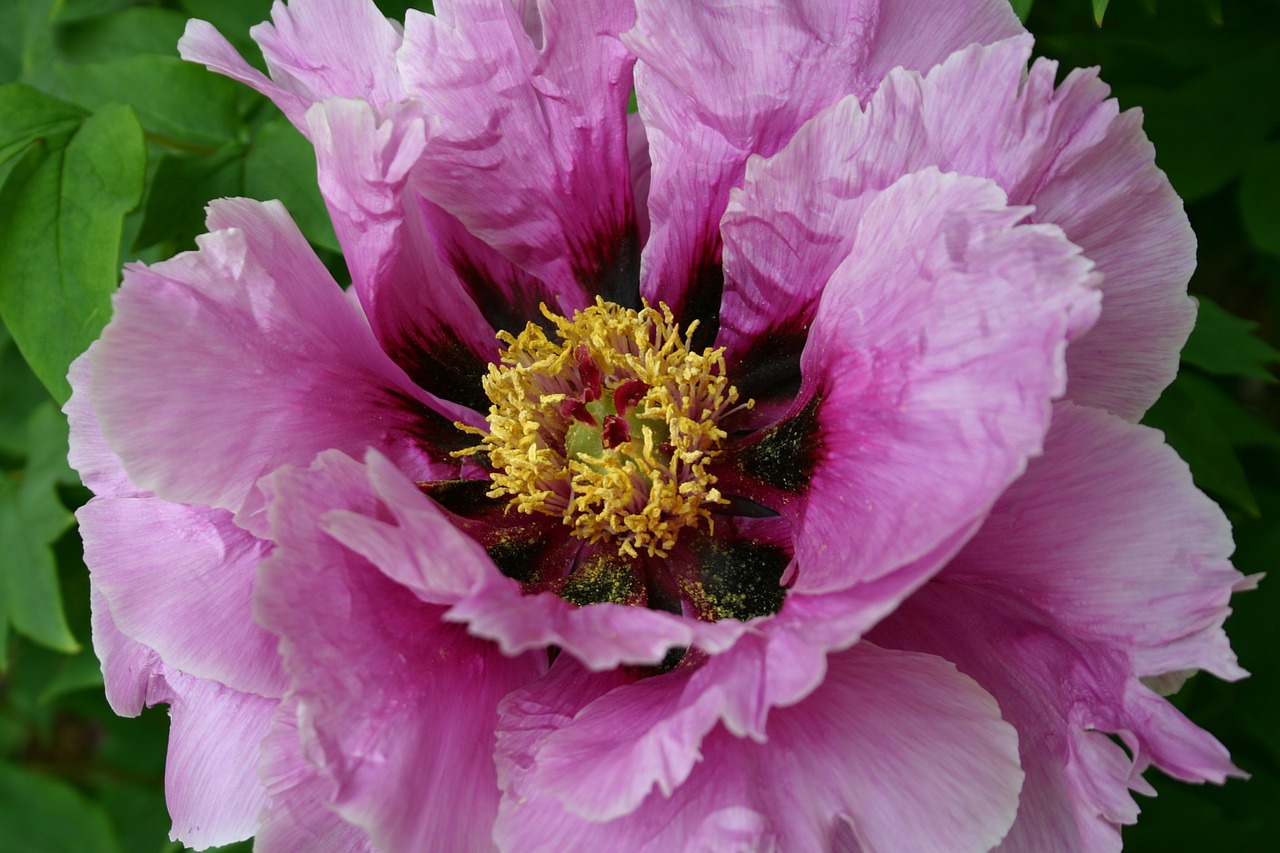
(759, 471)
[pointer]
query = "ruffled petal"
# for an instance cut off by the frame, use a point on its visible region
(90, 455)
(528, 145)
(1103, 563)
(210, 782)
(221, 365)
(1066, 151)
(418, 307)
(1108, 534)
(175, 575)
(934, 354)
(919, 34)
(202, 43)
(315, 50)
(415, 543)
(211, 788)
(895, 751)
(128, 667)
(299, 813)
(325, 49)
(711, 98)
(1091, 171)
(414, 704)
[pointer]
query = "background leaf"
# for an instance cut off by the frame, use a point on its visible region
(281, 164)
(175, 100)
(1189, 426)
(32, 517)
(61, 219)
(1225, 344)
(39, 813)
(1260, 198)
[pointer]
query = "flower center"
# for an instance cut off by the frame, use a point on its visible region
(611, 427)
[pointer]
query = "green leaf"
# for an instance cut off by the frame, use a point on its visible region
(31, 518)
(74, 10)
(11, 18)
(26, 37)
(27, 114)
(1190, 429)
(1184, 818)
(142, 29)
(1241, 427)
(182, 104)
(78, 672)
(1225, 344)
(20, 393)
(40, 813)
(1260, 198)
(61, 215)
(181, 187)
(281, 164)
(1021, 8)
(1099, 9)
(1206, 130)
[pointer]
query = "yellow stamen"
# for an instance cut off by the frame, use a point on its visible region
(547, 456)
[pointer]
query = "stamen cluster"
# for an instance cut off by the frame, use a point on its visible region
(612, 426)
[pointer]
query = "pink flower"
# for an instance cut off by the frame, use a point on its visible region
(799, 506)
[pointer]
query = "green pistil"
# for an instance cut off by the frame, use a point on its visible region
(585, 442)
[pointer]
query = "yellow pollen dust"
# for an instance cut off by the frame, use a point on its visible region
(611, 427)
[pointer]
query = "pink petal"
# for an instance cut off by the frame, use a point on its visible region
(210, 784)
(202, 43)
(778, 662)
(210, 781)
(332, 49)
(299, 813)
(398, 702)
(603, 744)
(919, 34)
(638, 146)
(1102, 564)
(128, 667)
(223, 364)
(1091, 171)
(1108, 534)
(414, 543)
(1066, 151)
(898, 750)
(315, 50)
(99, 467)
(528, 146)
(933, 357)
(174, 576)
(710, 100)
(419, 309)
